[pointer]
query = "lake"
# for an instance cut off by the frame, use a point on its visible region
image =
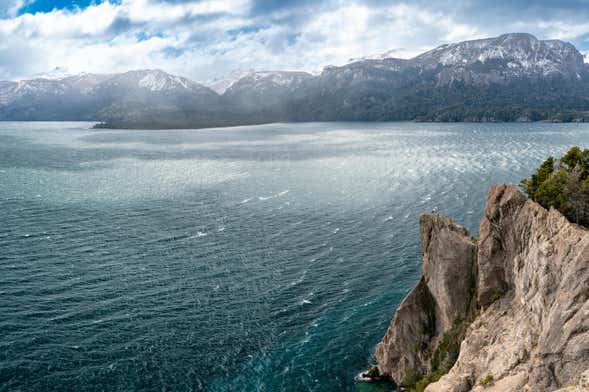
(256, 258)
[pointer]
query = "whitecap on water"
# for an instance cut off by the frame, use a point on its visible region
(361, 378)
(198, 234)
(306, 301)
(299, 280)
(306, 339)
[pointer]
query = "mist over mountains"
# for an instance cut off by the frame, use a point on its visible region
(513, 77)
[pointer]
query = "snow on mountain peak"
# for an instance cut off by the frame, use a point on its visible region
(56, 73)
(517, 50)
(221, 85)
(393, 53)
(160, 81)
(280, 78)
(262, 80)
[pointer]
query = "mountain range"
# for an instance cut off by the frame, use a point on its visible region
(513, 77)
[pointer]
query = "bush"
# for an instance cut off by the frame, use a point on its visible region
(487, 380)
(442, 358)
(563, 184)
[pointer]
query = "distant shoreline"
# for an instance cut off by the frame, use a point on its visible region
(105, 125)
(97, 125)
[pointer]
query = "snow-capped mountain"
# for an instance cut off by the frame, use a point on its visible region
(504, 57)
(510, 77)
(153, 81)
(266, 90)
(261, 84)
(520, 49)
(220, 85)
(85, 96)
(55, 73)
(513, 76)
(482, 62)
(78, 84)
(389, 54)
(258, 80)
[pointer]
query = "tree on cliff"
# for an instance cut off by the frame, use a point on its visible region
(576, 195)
(563, 184)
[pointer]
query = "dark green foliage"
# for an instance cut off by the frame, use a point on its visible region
(442, 358)
(410, 379)
(414, 94)
(573, 157)
(563, 184)
(428, 379)
(487, 380)
(577, 158)
(532, 184)
(497, 295)
(550, 193)
(446, 354)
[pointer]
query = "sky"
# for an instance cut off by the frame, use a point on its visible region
(210, 39)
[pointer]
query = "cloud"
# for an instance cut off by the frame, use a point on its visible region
(17, 55)
(206, 39)
(10, 8)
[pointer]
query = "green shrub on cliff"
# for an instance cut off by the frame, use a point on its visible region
(442, 357)
(487, 380)
(563, 184)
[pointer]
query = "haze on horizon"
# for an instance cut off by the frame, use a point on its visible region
(209, 39)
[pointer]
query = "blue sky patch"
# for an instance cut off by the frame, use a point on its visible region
(144, 36)
(171, 51)
(50, 5)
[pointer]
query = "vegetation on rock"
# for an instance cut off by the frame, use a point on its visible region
(487, 380)
(443, 356)
(563, 184)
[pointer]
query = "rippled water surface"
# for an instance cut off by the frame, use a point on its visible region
(260, 258)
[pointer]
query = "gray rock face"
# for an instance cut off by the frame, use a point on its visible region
(495, 247)
(582, 385)
(444, 294)
(449, 255)
(532, 274)
(396, 354)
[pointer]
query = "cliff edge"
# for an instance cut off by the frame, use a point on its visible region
(509, 312)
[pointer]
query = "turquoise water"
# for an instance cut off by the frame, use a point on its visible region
(259, 258)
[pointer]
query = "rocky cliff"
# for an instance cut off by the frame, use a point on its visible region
(509, 312)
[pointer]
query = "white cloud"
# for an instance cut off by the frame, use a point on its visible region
(15, 6)
(62, 24)
(211, 38)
